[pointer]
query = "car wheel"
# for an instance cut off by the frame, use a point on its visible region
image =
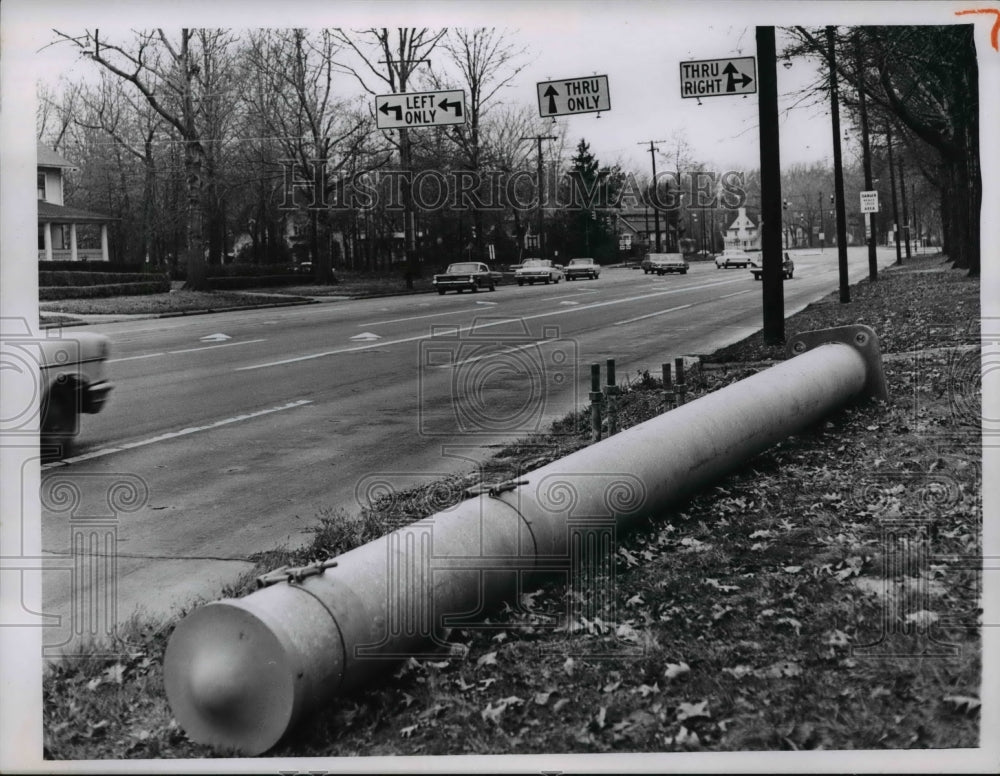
(441, 291)
(58, 426)
(474, 287)
(493, 286)
(520, 282)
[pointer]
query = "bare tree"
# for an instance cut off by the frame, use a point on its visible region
(176, 77)
(402, 51)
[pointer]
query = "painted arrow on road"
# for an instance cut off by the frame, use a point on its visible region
(215, 338)
(444, 105)
(366, 336)
(551, 93)
(398, 108)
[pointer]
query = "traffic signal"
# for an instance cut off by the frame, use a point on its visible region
(831, 199)
(785, 204)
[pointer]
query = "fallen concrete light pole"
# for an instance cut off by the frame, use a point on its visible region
(239, 673)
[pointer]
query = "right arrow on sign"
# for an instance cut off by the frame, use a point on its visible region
(551, 93)
(732, 72)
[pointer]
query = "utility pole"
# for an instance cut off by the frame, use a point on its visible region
(541, 218)
(892, 184)
(770, 188)
(906, 214)
(822, 223)
(866, 155)
(656, 210)
(838, 170)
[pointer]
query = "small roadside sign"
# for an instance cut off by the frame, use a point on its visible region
(574, 95)
(869, 201)
(719, 77)
(420, 109)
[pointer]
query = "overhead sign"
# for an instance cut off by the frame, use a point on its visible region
(869, 201)
(420, 109)
(719, 77)
(574, 95)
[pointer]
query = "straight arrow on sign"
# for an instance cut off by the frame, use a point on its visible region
(551, 93)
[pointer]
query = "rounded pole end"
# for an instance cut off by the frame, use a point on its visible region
(228, 679)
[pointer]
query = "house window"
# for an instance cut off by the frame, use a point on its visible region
(41, 185)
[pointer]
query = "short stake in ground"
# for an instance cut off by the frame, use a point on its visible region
(240, 673)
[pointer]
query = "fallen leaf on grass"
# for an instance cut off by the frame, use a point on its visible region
(645, 690)
(791, 621)
(568, 666)
(489, 659)
(837, 638)
(963, 703)
(635, 600)
(612, 686)
(408, 731)
(598, 720)
(923, 618)
(694, 545)
(692, 711)
(781, 669)
(791, 569)
(685, 738)
(738, 671)
(115, 673)
(542, 698)
(673, 670)
(486, 683)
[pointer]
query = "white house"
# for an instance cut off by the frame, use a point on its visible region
(59, 225)
(743, 233)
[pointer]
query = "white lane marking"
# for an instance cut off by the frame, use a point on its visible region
(570, 304)
(479, 326)
(219, 337)
(419, 317)
(366, 336)
(498, 353)
(213, 347)
(175, 434)
(651, 315)
(133, 358)
(738, 293)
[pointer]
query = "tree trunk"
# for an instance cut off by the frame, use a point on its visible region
(197, 277)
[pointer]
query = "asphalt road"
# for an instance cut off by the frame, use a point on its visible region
(229, 434)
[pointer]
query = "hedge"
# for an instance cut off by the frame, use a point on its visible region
(66, 278)
(89, 266)
(49, 293)
(247, 270)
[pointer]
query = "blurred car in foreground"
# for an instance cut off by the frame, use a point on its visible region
(582, 268)
(73, 381)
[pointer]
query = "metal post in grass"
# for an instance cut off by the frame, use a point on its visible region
(610, 394)
(596, 400)
(668, 387)
(681, 386)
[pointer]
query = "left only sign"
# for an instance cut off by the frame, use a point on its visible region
(420, 109)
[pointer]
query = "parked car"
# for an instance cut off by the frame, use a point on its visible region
(582, 268)
(462, 275)
(534, 271)
(734, 258)
(787, 269)
(662, 263)
(73, 380)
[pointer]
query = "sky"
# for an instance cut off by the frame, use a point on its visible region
(638, 44)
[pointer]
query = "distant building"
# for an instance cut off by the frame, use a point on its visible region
(743, 234)
(60, 228)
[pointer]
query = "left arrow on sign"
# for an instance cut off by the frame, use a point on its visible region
(386, 107)
(456, 106)
(215, 338)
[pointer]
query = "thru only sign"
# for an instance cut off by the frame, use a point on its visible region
(574, 95)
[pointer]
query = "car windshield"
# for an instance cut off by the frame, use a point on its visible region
(578, 262)
(536, 263)
(464, 267)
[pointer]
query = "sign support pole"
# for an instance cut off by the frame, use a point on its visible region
(838, 169)
(866, 158)
(770, 188)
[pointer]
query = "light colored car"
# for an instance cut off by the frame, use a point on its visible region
(662, 263)
(734, 258)
(462, 275)
(534, 271)
(73, 380)
(582, 268)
